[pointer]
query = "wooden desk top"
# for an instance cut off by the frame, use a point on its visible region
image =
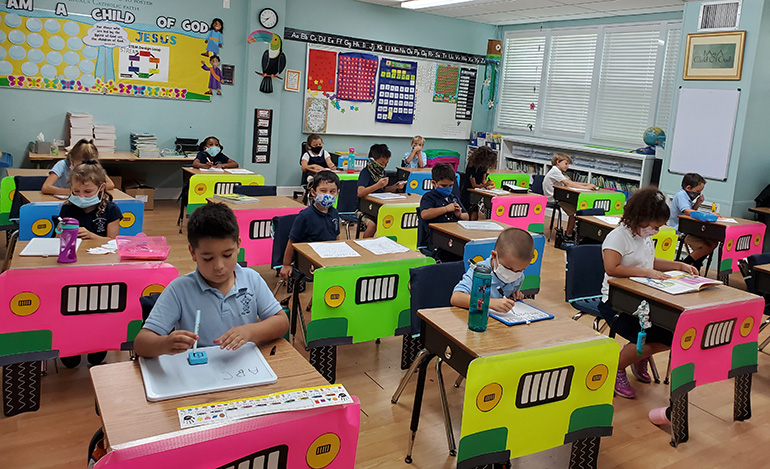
(128, 416)
(487, 193)
(270, 201)
(117, 156)
(578, 191)
(194, 171)
(366, 257)
(504, 171)
(596, 221)
(763, 268)
(499, 338)
(719, 294)
(415, 170)
(412, 199)
(456, 231)
(765, 210)
(38, 197)
(740, 221)
(346, 153)
(12, 172)
(84, 258)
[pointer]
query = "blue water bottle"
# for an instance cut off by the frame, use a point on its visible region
(478, 313)
(352, 160)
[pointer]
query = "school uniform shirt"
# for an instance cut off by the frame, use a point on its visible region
(679, 204)
(204, 158)
(465, 183)
(635, 251)
(554, 177)
(61, 169)
(313, 225)
(365, 180)
(319, 159)
(415, 163)
(508, 289)
(93, 221)
(249, 301)
(432, 199)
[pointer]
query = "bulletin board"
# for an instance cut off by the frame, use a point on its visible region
(350, 92)
(72, 47)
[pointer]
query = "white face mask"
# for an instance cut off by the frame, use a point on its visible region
(648, 231)
(506, 275)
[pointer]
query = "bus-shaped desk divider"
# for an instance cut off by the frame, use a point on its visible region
(526, 211)
(7, 191)
(36, 219)
(255, 227)
(714, 343)
(512, 180)
(665, 243)
(422, 182)
(741, 241)
(562, 393)
(399, 223)
(66, 315)
(203, 186)
(479, 249)
(611, 202)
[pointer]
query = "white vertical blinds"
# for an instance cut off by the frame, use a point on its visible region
(626, 80)
(668, 80)
(568, 83)
(520, 82)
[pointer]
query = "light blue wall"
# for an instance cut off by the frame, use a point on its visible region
(675, 15)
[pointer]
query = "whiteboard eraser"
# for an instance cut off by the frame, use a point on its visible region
(197, 358)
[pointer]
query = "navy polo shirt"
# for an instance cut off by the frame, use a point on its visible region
(313, 225)
(365, 179)
(204, 158)
(433, 199)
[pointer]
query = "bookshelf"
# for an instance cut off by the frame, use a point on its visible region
(607, 168)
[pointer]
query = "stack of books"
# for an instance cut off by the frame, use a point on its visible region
(144, 145)
(81, 126)
(104, 138)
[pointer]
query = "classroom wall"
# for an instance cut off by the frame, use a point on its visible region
(748, 165)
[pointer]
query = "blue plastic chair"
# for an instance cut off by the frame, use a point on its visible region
(583, 283)
(255, 191)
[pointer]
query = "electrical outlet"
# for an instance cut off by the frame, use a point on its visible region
(225, 3)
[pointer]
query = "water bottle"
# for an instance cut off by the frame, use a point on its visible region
(478, 313)
(68, 239)
(352, 160)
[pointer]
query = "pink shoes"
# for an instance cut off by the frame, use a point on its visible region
(623, 387)
(660, 416)
(640, 371)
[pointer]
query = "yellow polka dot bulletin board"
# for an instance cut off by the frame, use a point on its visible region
(78, 47)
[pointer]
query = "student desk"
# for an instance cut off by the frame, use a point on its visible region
(504, 179)
(525, 210)
(529, 387)
(715, 338)
(203, 184)
(396, 218)
(118, 156)
(255, 221)
(147, 434)
(736, 240)
(8, 189)
(35, 216)
(761, 214)
(60, 310)
(419, 180)
(355, 299)
(13, 172)
(403, 173)
(346, 176)
(762, 272)
(596, 229)
(453, 238)
(612, 202)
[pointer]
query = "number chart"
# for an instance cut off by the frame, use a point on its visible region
(395, 95)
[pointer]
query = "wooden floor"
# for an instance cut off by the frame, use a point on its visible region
(58, 434)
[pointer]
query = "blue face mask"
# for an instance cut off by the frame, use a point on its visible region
(444, 191)
(213, 151)
(325, 200)
(85, 202)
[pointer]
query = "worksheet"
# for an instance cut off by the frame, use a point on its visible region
(381, 245)
(331, 250)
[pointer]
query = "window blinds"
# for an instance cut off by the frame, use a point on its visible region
(520, 82)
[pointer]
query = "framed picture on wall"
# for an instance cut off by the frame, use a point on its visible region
(714, 56)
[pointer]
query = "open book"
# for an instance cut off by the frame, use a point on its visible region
(521, 313)
(679, 282)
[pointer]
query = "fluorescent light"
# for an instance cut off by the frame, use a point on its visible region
(417, 4)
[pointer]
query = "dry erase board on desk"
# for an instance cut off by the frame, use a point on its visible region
(703, 132)
(170, 376)
(362, 93)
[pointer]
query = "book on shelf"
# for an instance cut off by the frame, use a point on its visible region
(678, 282)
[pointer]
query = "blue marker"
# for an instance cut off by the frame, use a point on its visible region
(195, 357)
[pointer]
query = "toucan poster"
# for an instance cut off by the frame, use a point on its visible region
(137, 50)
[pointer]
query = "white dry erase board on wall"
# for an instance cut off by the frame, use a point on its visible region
(171, 376)
(703, 132)
(349, 92)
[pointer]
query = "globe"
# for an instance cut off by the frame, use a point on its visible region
(654, 136)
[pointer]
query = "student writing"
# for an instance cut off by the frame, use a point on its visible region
(439, 205)
(58, 181)
(686, 200)
(210, 155)
(556, 177)
(372, 180)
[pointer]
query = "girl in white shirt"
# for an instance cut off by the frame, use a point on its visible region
(628, 251)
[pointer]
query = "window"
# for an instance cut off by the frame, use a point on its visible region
(602, 85)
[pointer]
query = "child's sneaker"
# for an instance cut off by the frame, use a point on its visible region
(623, 387)
(660, 416)
(639, 369)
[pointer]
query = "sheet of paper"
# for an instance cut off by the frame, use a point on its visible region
(212, 170)
(61, 196)
(330, 250)
(610, 220)
(239, 171)
(381, 245)
(494, 191)
(575, 189)
(480, 225)
(387, 195)
(44, 247)
(727, 220)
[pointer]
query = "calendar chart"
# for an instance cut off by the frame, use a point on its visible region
(356, 76)
(396, 92)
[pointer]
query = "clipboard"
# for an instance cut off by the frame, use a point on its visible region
(528, 315)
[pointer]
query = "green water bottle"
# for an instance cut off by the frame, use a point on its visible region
(478, 313)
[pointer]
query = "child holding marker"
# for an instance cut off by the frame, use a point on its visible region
(58, 181)
(235, 303)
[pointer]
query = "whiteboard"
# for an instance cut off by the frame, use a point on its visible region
(431, 119)
(170, 376)
(703, 133)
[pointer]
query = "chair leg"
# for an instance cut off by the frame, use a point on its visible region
(668, 369)
(764, 344)
(459, 381)
(577, 316)
(450, 437)
(654, 369)
(408, 376)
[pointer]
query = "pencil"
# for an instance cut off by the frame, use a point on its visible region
(197, 324)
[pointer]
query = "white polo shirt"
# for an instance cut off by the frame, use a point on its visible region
(634, 250)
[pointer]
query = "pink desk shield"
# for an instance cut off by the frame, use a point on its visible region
(255, 230)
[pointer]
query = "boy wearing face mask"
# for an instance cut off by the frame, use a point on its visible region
(318, 222)
(688, 199)
(210, 155)
(512, 254)
(439, 205)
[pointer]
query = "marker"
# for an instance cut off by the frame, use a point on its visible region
(197, 325)
(713, 208)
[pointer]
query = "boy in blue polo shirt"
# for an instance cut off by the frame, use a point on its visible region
(439, 205)
(235, 303)
(318, 222)
(689, 199)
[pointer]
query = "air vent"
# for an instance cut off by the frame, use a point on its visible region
(409, 221)
(260, 229)
(717, 333)
(427, 184)
(270, 458)
(93, 299)
(543, 387)
(518, 210)
(719, 16)
(743, 243)
(603, 204)
(224, 188)
(374, 289)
